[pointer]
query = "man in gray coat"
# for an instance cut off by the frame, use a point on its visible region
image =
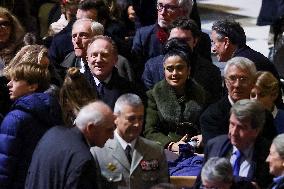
(128, 160)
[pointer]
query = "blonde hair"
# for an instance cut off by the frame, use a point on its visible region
(75, 93)
(32, 74)
(267, 83)
(30, 53)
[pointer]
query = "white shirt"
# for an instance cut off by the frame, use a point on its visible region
(105, 81)
(124, 144)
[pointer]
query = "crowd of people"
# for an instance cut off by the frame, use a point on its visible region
(99, 94)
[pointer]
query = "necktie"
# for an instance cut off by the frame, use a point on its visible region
(128, 153)
(100, 89)
(237, 163)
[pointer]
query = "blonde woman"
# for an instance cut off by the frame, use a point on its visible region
(266, 91)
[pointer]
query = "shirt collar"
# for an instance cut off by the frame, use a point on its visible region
(278, 179)
(123, 143)
(105, 81)
(247, 153)
(274, 112)
(231, 100)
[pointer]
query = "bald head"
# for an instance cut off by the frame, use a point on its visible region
(96, 122)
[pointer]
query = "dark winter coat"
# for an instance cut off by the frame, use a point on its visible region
(167, 119)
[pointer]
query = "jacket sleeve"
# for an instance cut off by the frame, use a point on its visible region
(83, 176)
(147, 76)
(152, 125)
(10, 147)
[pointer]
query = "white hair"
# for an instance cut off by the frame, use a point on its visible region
(127, 99)
(97, 28)
(93, 112)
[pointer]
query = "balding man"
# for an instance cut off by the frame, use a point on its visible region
(82, 32)
(61, 44)
(62, 158)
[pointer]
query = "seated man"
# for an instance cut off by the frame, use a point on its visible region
(128, 160)
(239, 76)
(82, 32)
(243, 145)
(148, 41)
(102, 57)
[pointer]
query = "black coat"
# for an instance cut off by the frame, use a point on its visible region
(116, 86)
(62, 159)
(259, 171)
(270, 12)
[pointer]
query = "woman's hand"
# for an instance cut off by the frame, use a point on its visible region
(175, 147)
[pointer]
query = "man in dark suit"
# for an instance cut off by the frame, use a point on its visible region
(148, 41)
(130, 161)
(243, 145)
(229, 40)
(62, 158)
(102, 57)
(239, 76)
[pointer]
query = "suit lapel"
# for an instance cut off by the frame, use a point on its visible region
(137, 155)
(119, 155)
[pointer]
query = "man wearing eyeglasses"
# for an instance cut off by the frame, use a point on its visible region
(239, 76)
(149, 40)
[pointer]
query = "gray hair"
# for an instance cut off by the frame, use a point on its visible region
(249, 109)
(279, 145)
(81, 20)
(241, 63)
(92, 112)
(127, 99)
(186, 5)
(97, 28)
(217, 170)
(105, 38)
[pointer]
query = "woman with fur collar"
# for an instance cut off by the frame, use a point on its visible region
(175, 103)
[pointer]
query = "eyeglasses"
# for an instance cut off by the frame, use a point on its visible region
(169, 8)
(233, 79)
(5, 24)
